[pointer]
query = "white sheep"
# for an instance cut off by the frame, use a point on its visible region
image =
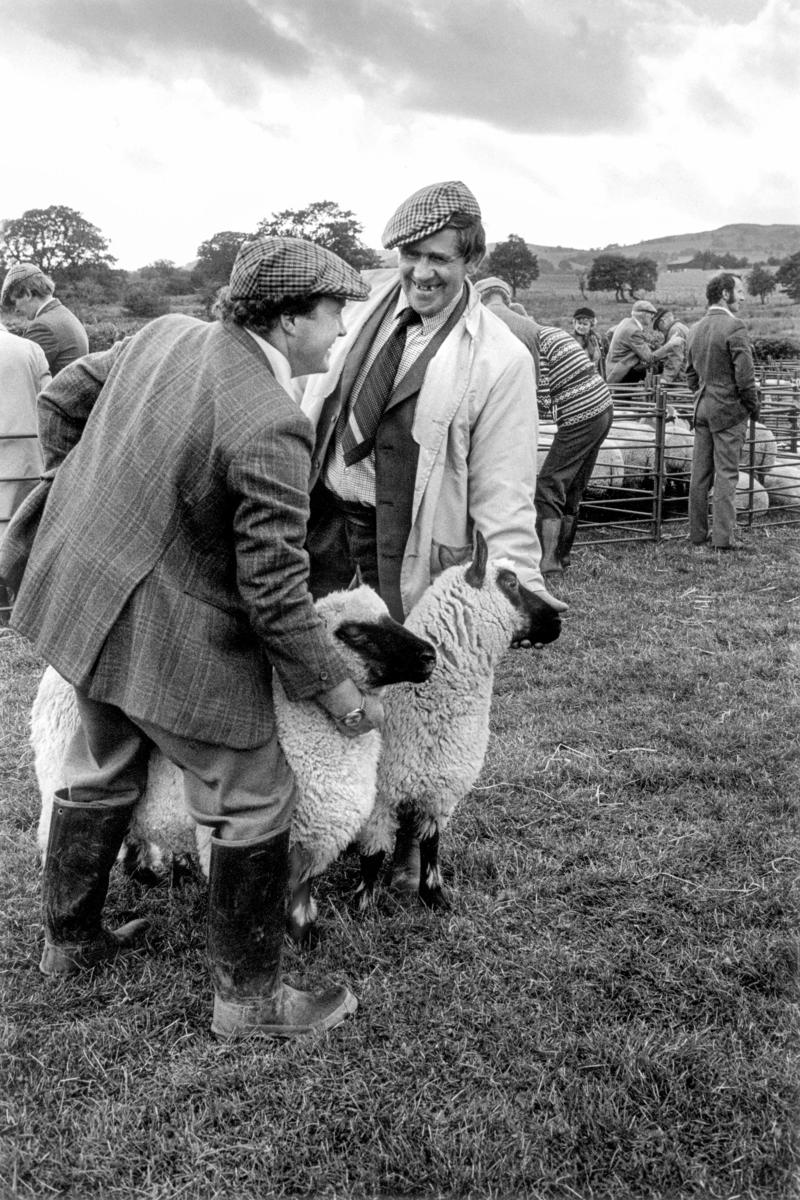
(336, 775)
(435, 737)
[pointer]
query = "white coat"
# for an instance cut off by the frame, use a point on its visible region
(476, 427)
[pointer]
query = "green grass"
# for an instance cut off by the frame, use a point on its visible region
(609, 1009)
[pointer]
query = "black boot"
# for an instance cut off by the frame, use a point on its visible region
(549, 531)
(84, 842)
(569, 527)
(246, 926)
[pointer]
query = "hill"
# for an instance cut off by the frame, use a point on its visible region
(756, 243)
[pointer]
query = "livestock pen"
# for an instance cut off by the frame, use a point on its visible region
(639, 487)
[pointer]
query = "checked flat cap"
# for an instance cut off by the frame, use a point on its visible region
(429, 210)
(18, 272)
(270, 268)
(493, 283)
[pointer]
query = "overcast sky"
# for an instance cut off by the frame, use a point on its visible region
(575, 123)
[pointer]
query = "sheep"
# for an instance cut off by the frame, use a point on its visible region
(335, 775)
(783, 482)
(435, 737)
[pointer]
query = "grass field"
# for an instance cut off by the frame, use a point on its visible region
(608, 1011)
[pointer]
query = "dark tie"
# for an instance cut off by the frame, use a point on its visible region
(367, 410)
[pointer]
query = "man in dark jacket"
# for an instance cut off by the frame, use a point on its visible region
(51, 325)
(720, 371)
(167, 577)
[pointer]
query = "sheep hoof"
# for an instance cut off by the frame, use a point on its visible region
(435, 899)
(306, 936)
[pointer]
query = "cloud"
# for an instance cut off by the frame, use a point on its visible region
(521, 65)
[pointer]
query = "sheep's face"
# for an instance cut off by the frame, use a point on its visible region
(390, 652)
(386, 651)
(537, 621)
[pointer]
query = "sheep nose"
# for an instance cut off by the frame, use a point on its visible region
(427, 656)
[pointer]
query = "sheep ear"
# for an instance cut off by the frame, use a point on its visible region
(356, 581)
(476, 571)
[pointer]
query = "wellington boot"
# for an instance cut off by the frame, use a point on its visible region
(549, 531)
(246, 925)
(84, 842)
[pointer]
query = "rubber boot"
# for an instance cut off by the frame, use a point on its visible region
(550, 565)
(83, 844)
(246, 926)
(569, 527)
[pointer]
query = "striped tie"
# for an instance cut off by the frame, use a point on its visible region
(367, 410)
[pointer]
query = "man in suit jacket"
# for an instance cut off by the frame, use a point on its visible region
(401, 482)
(52, 326)
(167, 578)
(720, 371)
(630, 353)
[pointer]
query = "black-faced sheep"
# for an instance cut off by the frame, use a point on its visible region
(336, 775)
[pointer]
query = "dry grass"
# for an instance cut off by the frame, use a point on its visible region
(607, 1012)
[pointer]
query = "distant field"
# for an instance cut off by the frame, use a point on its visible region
(554, 297)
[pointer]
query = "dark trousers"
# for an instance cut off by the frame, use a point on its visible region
(341, 537)
(568, 465)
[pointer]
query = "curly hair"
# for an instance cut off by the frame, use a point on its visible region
(260, 314)
(720, 284)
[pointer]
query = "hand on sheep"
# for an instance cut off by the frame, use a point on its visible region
(354, 712)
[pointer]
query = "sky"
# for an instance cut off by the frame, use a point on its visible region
(575, 123)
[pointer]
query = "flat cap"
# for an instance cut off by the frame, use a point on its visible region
(493, 283)
(18, 272)
(270, 268)
(660, 312)
(429, 210)
(644, 306)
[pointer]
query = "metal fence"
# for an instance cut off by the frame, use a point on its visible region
(639, 490)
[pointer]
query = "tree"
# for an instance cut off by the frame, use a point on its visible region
(58, 239)
(788, 276)
(164, 275)
(215, 257)
(761, 283)
(615, 272)
(326, 224)
(514, 262)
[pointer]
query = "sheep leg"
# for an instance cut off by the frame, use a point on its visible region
(405, 863)
(430, 876)
(370, 870)
(302, 914)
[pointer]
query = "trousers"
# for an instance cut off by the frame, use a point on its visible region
(715, 458)
(241, 793)
(341, 537)
(568, 465)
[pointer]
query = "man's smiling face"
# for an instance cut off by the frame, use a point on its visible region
(432, 272)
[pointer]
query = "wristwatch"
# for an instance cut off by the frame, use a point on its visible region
(353, 718)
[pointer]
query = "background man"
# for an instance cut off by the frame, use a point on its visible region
(570, 392)
(23, 374)
(630, 353)
(426, 422)
(677, 335)
(720, 372)
(29, 291)
(167, 577)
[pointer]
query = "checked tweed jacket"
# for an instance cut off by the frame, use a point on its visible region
(169, 571)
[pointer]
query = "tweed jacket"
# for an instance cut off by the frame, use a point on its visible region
(169, 570)
(719, 369)
(59, 333)
(23, 374)
(476, 426)
(629, 348)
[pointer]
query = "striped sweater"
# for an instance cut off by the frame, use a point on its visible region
(569, 389)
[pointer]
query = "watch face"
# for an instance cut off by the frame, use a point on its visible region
(352, 719)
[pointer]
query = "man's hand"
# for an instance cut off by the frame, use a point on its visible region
(353, 712)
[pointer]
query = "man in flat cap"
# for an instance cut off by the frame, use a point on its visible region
(50, 324)
(630, 353)
(167, 577)
(426, 421)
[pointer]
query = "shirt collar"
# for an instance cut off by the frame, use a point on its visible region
(279, 363)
